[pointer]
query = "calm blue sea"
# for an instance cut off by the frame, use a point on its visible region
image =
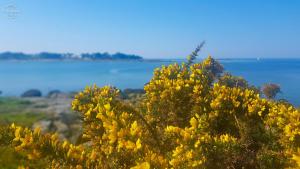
(17, 77)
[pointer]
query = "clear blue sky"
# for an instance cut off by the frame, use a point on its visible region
(153, 28)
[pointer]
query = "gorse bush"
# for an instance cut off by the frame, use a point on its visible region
(192, 116)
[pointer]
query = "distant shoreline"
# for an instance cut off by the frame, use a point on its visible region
(97, 56)
(47, 56)
(36, 93)
(97, 60)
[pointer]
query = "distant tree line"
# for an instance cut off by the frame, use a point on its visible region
(63, 56)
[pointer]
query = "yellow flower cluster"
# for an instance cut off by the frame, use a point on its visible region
(296, 158)
(286, 120)
(115, 130)
(38, 146)
(190, 117)
(176, 92)
(194, 146)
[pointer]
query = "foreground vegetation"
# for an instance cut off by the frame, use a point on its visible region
(191, 116)
(18, 111)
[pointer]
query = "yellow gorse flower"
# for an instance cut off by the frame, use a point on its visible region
(188, 118)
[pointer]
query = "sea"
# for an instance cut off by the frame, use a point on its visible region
(17, 77)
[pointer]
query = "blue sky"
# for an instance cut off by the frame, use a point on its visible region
(153, 28)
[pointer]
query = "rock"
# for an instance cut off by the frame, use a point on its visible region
(73, 94)
(60, 127)
(56, 126)
(44, 125)
(32, 93)
(67, 118)
(53, 93)
(136, 91)
(128, 93)
(58, 94)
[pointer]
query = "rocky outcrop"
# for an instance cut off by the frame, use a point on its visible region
(129, 93)
(32, 93)
(44, 125)
(66, 125)
(53, 93)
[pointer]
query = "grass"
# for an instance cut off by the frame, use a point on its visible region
(23, 119)
(10, 104)
(15, 110)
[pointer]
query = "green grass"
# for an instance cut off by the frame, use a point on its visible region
(8, 105)
(23, 118)
(14, 110)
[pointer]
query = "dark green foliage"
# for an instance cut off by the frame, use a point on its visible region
(233, 81)
(214, 67)
(229, 80)
(191, 58)
(271, 90)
